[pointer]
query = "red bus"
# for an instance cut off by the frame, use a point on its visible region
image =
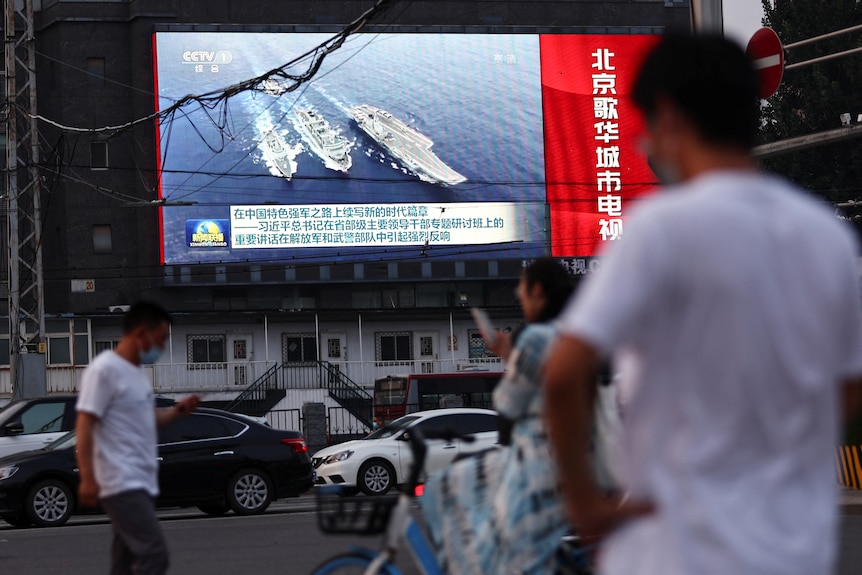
(397, 395)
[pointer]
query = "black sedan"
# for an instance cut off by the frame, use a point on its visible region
(212, 459)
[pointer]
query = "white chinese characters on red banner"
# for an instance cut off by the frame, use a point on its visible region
(592, 164)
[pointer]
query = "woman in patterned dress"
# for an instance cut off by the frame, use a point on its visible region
(499, 512)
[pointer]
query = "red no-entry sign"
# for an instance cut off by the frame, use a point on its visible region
(767, 54)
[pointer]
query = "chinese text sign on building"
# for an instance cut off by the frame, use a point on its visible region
(594, 170)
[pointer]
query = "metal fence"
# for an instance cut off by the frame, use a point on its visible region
(302, 376)
(341, 425)
(288, 419)
(344, 426)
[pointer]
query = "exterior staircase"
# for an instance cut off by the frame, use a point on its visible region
(347, 393)
(260, 397)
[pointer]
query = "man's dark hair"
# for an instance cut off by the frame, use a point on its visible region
(145, 313)
(710, 80)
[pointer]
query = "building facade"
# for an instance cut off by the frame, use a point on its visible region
(106, 207)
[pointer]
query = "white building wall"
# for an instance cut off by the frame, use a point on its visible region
(175, 374)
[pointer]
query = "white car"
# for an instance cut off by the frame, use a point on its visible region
(381, 461)
(30, 424)
(35, 423)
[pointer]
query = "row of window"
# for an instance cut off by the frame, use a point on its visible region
(72, 346)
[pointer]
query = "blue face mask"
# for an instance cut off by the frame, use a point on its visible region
(152, 355)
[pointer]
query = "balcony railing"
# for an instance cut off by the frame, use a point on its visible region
(304, 376)
(235, 377)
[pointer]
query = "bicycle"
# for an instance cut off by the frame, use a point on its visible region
(391, 515)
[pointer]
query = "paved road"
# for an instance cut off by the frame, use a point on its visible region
(285, 540)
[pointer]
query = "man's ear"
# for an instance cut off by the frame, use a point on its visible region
(139, 332)
(666, 115)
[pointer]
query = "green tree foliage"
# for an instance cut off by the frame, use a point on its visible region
(812, 98)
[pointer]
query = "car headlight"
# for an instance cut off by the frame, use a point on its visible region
(336, 457)
(8, 471)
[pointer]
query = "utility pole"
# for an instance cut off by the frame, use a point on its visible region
(23, 198)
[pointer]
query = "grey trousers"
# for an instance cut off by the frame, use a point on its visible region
(139, 546)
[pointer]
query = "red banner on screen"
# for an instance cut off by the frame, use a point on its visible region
(593, 168)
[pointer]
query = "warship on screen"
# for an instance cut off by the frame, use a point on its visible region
(332, 148)
(405, 143)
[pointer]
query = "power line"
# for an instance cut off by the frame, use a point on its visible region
(214, 97)
(265, 110)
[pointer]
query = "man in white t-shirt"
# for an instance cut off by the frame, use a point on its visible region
(117, 443)
(733, 307)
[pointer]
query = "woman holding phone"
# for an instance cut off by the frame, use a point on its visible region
(499, 511)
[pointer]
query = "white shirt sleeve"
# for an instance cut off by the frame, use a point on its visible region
(615, 303)
(97, 388)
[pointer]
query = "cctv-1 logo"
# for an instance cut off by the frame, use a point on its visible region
(207, 57)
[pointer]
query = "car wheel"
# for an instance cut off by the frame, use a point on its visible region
(16, 520)
(249, 492)
(214, 509)
(49, 503)
(376, 477)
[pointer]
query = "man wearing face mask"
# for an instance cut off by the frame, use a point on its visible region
(735, 358)
(117, 445)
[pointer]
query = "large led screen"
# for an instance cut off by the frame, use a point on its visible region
(402, 146)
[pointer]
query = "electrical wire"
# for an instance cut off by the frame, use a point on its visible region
(213, 98)
(277, 122)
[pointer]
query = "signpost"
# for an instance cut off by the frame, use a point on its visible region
(767, 54)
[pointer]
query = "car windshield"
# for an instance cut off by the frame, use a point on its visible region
(393, 427)
(63, 442)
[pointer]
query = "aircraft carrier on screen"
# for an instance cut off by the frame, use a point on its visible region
(277, 154)
(406, 144)
(332, 148)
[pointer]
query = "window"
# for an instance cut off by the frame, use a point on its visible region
(96, 71)
(43, 418)
(393, 347)
(104, 345)
(102, 239)
(240, 349)
(59, 351)
(68, 341)
(469, 423)
(98, 155)
(426, 346)
(298, 348)
(4, 351)
(199, 427)
(478, 347)
(390, 391)
(5, 347)
(207, 349)
(438, 425)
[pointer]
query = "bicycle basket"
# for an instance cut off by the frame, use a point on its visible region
(354, 515)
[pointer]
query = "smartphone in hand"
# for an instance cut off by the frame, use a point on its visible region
(485, 326)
